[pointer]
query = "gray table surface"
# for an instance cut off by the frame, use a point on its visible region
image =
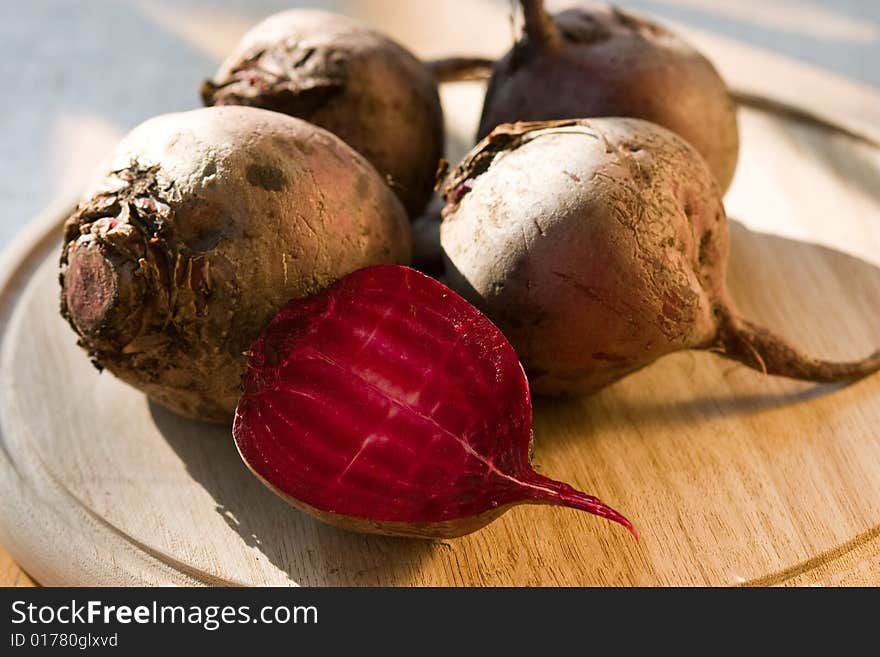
(109, 64)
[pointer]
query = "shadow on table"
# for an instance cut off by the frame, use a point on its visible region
(309, 551)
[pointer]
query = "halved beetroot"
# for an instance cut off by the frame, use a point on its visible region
(388, 404)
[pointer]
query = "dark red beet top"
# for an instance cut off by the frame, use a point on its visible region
(389, 398)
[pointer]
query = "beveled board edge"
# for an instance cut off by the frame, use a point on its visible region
(43, 525)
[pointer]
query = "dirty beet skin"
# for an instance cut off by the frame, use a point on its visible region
(198, 229)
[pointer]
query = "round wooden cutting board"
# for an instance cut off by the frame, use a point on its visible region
(729, 476)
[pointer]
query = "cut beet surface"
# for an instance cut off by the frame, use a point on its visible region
(388, 404)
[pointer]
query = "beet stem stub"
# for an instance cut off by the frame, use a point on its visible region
(388, 404)
(539, 27)
(762, 350)
(92, 288)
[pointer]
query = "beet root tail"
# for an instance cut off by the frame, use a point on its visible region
(461, 69)
(762, 350)
(550, 491)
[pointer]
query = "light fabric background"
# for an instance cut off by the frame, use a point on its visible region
(79, 73)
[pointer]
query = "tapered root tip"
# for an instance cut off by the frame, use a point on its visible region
(578, 500)
(550, 491)
(762, 350)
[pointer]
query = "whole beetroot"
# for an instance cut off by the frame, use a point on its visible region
(199, 228)
(598, 246)
(597, 60)
(355, 82)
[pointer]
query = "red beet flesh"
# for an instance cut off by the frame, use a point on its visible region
(388, 404)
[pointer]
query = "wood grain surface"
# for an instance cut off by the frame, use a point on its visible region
(731, 478)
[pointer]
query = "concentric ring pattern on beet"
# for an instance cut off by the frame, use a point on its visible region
(389, 404)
